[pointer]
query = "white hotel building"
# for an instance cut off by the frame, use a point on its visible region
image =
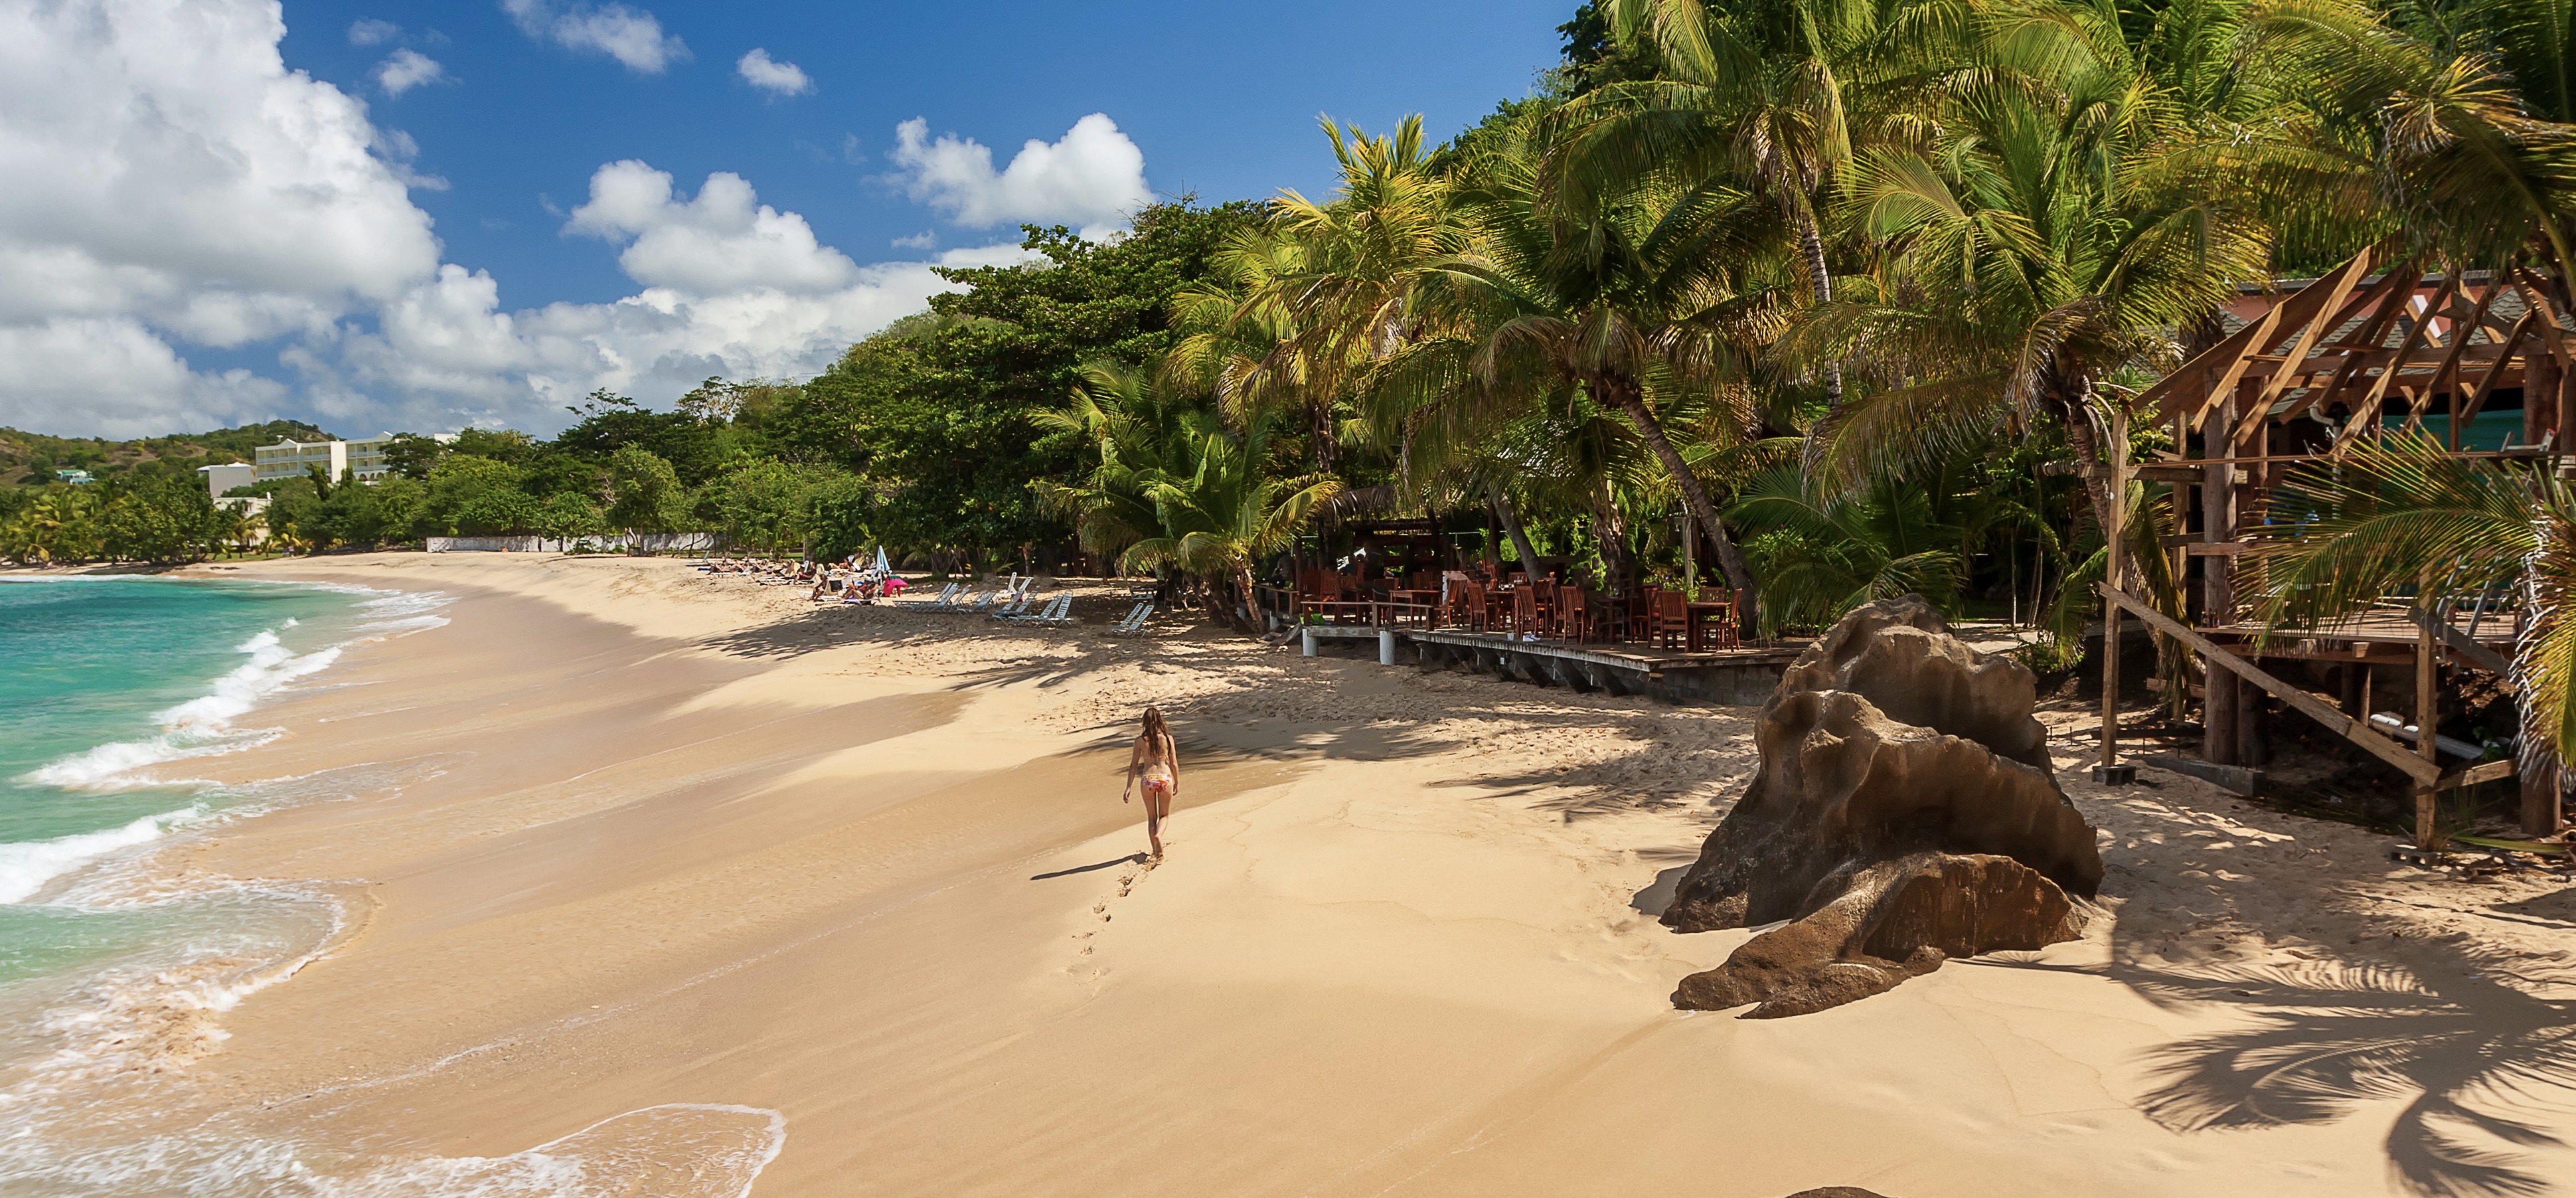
(363, 460)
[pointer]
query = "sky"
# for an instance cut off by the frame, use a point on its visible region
(422, 217)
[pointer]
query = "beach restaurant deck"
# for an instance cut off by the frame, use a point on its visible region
(1665, 644)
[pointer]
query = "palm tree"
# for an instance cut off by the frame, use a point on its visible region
(1652, 298)
(2031, 253)
(1222, 508)
(1752, 94)
(1825, 555)
(1138, 428)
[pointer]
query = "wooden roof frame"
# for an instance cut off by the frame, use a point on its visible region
(2329, 343)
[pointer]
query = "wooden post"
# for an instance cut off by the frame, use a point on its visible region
(2116, 461)
(2217, 590)
(2539, 393)
(2540, 814)
(2253, 724)
(2218, 715)
(2427, 710)
(2352, 680)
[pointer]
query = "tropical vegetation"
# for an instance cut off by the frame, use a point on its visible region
(1830, 299)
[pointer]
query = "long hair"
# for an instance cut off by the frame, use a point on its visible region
(1155, 728)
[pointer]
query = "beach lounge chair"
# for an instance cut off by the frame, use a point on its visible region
(1050, 612)
(946, 593)
(984, 602)
(1134, 624)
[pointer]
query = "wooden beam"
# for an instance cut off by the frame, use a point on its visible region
(2428, 712)
(2415, 338)
(2460, 334)
(2329, 314)
(2114, 539)
(2174, 395)
(2535, 292)
(2478, 398)
(2461, 646)
(2308, 705)
(2392, 297)
(2487, 771)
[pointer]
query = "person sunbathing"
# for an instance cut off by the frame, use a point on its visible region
(1157, 762)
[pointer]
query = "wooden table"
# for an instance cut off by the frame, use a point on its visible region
(1698, 615)
(1428, 601)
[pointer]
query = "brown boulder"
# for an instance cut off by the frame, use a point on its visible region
(1893, 843)
(1899, 655)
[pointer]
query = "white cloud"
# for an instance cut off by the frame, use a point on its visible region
(783, 78)
(110, 376)
(167, 186)
(163, 175)
(731, 287)
(631, 36)
(723, 240)
(919, 241)
(407, 69)
(1093, 177)
(372, 32)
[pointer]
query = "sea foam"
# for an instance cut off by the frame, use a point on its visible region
(26, 866)
(198, 727)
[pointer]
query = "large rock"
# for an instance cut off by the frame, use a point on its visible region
(1903, 814)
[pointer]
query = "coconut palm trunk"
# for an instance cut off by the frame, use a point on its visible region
(1626, 396)
(1511, 523)
(1811, 244)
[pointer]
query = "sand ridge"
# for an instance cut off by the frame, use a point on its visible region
(692, 840)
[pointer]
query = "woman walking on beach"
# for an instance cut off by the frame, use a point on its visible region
(1158, 762)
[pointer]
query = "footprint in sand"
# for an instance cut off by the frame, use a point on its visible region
(1126, 885)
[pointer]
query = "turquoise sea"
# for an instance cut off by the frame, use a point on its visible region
(111, 690)
(116, 972)
(110, 686)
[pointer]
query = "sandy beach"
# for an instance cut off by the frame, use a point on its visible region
(737, 892)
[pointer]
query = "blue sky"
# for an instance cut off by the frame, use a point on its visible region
(389, 229)
(1222, 98)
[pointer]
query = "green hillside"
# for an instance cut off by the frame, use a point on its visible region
(30, 459)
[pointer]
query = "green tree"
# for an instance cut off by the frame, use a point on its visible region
(570, 516)
(475, 496)
(1224, 508)
(646, 493)
(939, 410)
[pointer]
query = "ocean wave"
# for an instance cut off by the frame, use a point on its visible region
(203, 726)
(198, 727)
(26, 866)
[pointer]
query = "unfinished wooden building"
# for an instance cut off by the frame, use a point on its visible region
(2480, 360)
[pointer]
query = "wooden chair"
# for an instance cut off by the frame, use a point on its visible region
(1641, 614)
(1726, 634)
(1468, 606)
(1573, 615)
(1670, 625)
(1544, 595)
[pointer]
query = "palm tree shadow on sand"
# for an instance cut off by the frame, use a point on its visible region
(2463, 1034)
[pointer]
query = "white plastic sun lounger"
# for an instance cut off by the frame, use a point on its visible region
(1136, 617)
(1058, 612)
(1018, 607)
(947, 595)
(1050, 612)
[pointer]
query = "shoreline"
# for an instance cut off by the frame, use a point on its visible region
(702, 851)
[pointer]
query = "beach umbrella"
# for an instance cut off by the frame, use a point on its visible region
(882, 568)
